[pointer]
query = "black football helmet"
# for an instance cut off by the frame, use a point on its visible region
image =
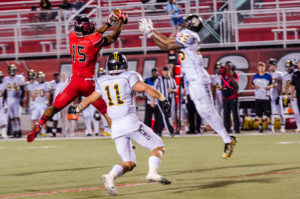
(83, 26)
(289, 66)
(193, 22)
(116, 63)
(12, 70)
(101, 72)
(272, 61)
(31, 74)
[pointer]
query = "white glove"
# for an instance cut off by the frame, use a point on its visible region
(146, 26)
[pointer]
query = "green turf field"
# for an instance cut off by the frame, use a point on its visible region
(259, 168)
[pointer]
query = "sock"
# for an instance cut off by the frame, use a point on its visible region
(54, 130)
(13, 125)
(116, 171)
(270, 125)
(18, 125)
(153, 163)
(43, 131)
(4, 132)
(43, 120)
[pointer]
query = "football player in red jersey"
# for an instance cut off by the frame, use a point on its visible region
(85, 44)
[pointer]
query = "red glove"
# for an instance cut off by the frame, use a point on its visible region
(120, 14)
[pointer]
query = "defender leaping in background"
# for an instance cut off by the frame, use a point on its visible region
(188, 41)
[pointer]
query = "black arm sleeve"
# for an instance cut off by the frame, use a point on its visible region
(22, 91)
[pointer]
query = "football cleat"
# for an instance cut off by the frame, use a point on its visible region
(158, 178)
(297, 130)
(108, 182)
(282, 129)
(31, 136)
(228, 148)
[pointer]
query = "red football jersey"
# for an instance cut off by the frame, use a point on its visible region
(84, 51)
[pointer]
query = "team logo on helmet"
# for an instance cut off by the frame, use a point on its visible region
(116, 63)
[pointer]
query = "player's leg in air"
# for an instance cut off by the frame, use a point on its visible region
(202, 98)
(146, 138)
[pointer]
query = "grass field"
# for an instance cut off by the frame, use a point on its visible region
(261, 167)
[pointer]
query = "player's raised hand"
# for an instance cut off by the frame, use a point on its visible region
(117, 15)
(146, 26)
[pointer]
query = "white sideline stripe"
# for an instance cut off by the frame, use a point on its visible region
(290, 142)
(38, 147)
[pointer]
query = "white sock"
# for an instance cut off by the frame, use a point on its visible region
(18, 125)
(116, 171)
(153, 163)
(43, 131)
(14, 125)
(4, 132)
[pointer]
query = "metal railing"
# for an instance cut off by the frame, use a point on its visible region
(53, 35)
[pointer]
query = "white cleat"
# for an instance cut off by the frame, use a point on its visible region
(282, 129)
(297, 130)
(108, 182)
(272, 129)
(158, 178)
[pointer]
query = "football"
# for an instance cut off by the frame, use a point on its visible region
(118, 12)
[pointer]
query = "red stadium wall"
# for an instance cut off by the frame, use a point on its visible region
(245, 61)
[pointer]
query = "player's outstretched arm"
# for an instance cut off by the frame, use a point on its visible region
(164, 43)
(142, 87)
(103, 28)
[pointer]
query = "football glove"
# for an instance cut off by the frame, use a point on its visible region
(165, 105)
(72, 110)
(146, 26)
(97, 116)
(116, 15)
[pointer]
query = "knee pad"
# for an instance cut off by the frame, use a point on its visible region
(128, 166)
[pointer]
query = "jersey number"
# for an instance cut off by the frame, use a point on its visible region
(81, 55)
(184, 38)
(13, 87)
(117, 90)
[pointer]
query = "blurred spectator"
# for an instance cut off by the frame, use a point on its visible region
(193, 116)
(296, 85)
(217, 88)
(68, 126)
(173, 10)
(3, 108)
(262, 82)
(55, 84)
(229, 83)
(166, 86)
(67, 9)
(150, 105)
(77, 5)
(91, 116)
(33, 16)
(45, 5)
